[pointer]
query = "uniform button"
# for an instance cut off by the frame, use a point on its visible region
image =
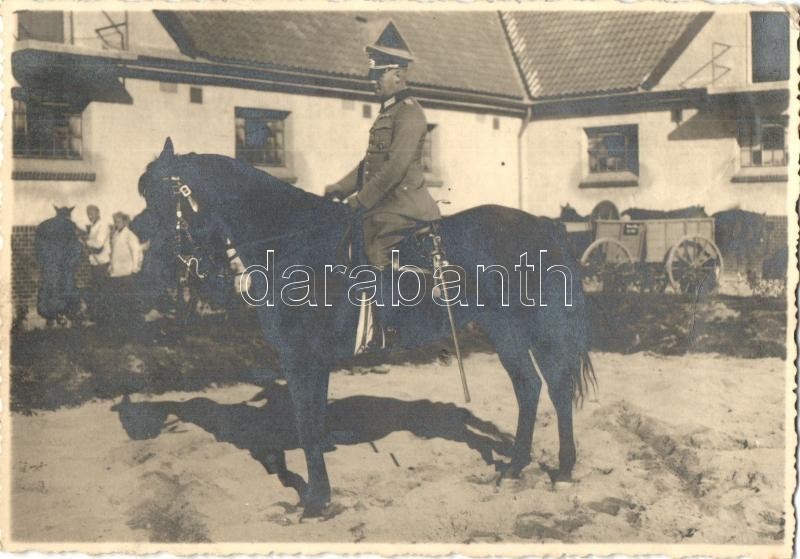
(405, 188)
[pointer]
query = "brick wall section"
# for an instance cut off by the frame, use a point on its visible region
(777, 229)
(25, 269)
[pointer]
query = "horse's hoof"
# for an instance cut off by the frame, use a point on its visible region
(509, 471)
(563, 484)
(557, 475)
(322, 510)
(313, 510)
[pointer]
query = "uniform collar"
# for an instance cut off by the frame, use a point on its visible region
(394, 99)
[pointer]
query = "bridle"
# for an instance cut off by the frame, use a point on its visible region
(189, 252)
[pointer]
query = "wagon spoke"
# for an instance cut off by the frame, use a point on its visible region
(694, 264)
(708, 256)
(683, 258)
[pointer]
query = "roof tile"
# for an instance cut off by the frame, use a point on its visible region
(580, 53)
(455, 50)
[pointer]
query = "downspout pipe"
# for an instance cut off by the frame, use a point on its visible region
(521, 157)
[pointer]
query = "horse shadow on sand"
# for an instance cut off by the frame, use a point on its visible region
(266, 430)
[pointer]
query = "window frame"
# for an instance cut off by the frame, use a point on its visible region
(284, 167)
(753, 131)
(749, 134)
(621, 174)
(430, 160)
(271, 120)
(66, 116)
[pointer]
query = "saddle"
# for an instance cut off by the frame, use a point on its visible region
(421, 249)
(416, 249)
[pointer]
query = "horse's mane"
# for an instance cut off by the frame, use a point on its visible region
(257, 205)
(226, 179)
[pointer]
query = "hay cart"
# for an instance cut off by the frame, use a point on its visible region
(648, 255)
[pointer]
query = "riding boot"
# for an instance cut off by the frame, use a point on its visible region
(385, 328)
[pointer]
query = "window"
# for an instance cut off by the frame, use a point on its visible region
(762, 142)
(429, 157)
(260, 136)
(769, 32)
(427, 150)
(613, 149)
(51, 130)
(366, 111)
(41, 26)
(195, 95)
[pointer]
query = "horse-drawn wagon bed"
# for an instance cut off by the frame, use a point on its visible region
(650, 254)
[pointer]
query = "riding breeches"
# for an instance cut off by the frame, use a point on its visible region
(382, 233)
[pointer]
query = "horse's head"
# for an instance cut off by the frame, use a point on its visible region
(184, 218)
(64, 212)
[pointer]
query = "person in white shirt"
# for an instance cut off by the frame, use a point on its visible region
(97, 241)
(126, 261)
(126, 250)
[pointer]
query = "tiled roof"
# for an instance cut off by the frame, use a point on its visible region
(460, 51)
(580, 53)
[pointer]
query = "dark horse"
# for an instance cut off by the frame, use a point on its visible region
(230, 204)
(58, 253)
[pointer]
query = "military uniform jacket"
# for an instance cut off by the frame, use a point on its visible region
(390, 178)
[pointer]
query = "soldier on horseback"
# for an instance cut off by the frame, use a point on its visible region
(387, 188)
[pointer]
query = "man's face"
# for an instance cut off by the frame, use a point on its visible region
(119, 223)
(388, 83)
(92, 214)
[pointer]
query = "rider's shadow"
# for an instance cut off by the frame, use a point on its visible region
(267, 431)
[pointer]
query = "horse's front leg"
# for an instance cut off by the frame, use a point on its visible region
(309, 392)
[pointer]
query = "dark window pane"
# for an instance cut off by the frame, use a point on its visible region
(260, 136)
(46, 131)
(613, 149)
(770, 38)
(427, 150)
(195, 95)
(762, 144)
(41, 26)
(772, 137)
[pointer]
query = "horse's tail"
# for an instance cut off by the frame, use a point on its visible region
(583, 374)
(583, 377)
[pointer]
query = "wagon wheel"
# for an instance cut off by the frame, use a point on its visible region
(605, 264)
(694, 264)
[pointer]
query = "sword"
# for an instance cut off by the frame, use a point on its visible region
(439, 262)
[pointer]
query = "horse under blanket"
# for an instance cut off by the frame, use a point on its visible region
(681, 213)
(58, 253)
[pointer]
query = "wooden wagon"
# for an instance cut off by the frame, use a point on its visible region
(650, 254)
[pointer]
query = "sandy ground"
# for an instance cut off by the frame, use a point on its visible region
(672, 449)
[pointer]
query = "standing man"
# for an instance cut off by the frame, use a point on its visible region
(126, 261)
(98, 244)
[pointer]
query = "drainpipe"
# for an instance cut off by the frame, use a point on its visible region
(521, 157)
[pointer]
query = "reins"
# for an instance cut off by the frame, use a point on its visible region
(181, 192)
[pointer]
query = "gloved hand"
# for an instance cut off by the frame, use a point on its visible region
(354, 204)
(334, 192)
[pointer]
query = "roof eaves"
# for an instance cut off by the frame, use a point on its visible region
(587, 94)
(512, 36)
